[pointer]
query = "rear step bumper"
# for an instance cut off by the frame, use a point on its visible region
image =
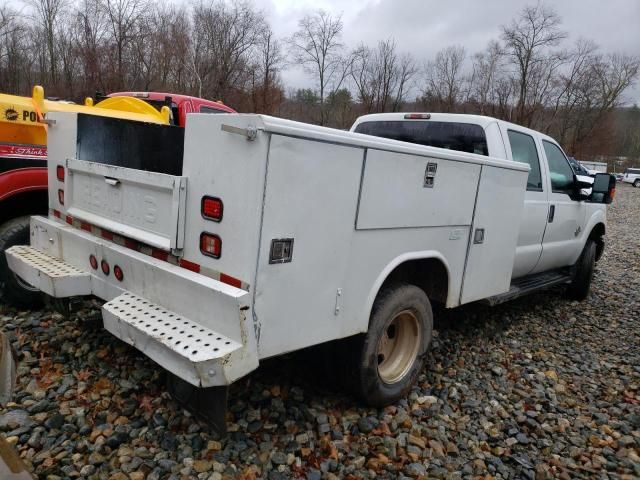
(187, 349)
(197, 328)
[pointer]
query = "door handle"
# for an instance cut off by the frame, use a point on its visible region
(552, 212)
(112, 181)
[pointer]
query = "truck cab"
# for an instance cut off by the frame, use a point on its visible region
(556, 222)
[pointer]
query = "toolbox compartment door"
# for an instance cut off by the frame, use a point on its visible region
(494, 235)
(138, 204)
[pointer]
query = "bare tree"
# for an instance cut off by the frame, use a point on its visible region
(363, 75)
(405, 74)
(609, 77)
(317, 46)
(269, 61)
(123, 16)
(15, 58)
(223, 42)
(443, 82)
(381, 76)
(487, 67)
(527, 40)
(47, 14)
(91, 26)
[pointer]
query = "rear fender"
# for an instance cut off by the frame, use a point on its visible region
(22, 180)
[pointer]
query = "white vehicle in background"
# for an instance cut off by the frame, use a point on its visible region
(261, 236)
(594, 167)
(632, 176)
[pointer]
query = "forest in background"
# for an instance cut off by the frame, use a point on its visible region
(533, 74)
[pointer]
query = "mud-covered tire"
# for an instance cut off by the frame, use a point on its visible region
(14, 290)
(405, 311)
(581, 284)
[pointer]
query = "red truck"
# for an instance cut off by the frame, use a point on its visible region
(23, 182)
(180, 105)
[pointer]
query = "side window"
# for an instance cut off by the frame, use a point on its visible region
(559, 170)
(205, 109)
(523, 149)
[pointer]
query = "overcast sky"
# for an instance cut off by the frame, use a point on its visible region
(422, 27)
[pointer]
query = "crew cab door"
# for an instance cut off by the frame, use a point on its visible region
(521, 147)
(562, 242)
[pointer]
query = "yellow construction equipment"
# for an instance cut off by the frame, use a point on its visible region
(23, 119)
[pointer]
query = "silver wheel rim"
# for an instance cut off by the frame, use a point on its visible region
(398, 347)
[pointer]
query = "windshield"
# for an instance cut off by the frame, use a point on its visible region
(464, 137)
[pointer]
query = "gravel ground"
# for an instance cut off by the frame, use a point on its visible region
(538, 388)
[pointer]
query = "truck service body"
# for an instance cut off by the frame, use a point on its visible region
(266, 236)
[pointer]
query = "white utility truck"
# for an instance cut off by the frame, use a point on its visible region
(257, 236)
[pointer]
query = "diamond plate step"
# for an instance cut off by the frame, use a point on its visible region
(189, 350)
(48, 273)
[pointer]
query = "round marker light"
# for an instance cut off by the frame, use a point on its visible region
(105, 267)
(119, 274)
(93, 261)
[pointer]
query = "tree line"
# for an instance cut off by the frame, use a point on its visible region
(533, 74)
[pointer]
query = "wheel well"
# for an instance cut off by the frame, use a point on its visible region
(597, 235)
(25, 203)
(429, 274)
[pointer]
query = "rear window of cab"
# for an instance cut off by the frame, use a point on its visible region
(463, 137)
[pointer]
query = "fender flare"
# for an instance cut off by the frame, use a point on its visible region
(391, 266)
(598, 217)
(22, 180)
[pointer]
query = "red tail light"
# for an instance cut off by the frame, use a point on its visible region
(61, 196)
(118, 273)
(210, 245)
(93, 261)
(105, 267)
(60, 173)
(212, 208)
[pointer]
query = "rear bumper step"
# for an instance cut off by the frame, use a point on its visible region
(47, 273)
(190, 351)
(201, 360)
(197, 328)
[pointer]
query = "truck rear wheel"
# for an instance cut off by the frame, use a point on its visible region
(581, 283)
(15, 290)
(390, 355)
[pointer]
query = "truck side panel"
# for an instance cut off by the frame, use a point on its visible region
(311, 197)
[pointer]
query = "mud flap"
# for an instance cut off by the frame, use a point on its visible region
(208, 404)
